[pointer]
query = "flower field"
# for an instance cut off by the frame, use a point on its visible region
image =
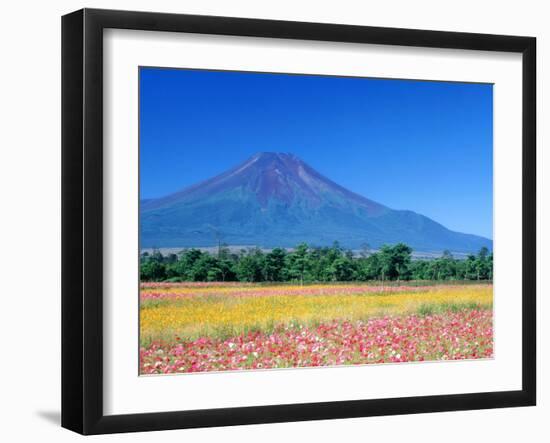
(194, 327)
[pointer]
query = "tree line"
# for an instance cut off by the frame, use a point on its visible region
(306, 264)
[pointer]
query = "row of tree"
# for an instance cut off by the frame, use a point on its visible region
(305, 264)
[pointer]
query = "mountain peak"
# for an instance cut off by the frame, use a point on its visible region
(270, 160)
(273, 178)
(274, 155)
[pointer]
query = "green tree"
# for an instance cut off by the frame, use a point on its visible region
(395, 261)
(311, 264)
(297, 263)
(343, 269)
(447, 266)
(183, 267)
(250, 267)
(152, 270)
(274, 264)
(470, 268)
(420, 270)
(484, 265)
(204, 269)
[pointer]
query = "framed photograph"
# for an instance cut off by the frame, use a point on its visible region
(269, 221)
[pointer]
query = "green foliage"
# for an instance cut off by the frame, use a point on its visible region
(297, 263)
(395, 262)
(251, 265)
(304, 264)
(275, 265)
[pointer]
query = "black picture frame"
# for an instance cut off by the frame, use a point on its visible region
(82, 215)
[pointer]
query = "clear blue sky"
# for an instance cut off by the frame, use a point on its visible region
(423, 146)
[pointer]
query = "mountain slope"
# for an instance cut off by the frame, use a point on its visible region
(275, 199)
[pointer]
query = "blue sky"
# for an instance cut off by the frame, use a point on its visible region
(423, 146)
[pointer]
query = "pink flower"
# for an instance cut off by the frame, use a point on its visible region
(448, 336)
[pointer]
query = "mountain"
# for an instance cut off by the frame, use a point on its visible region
(276, 199)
